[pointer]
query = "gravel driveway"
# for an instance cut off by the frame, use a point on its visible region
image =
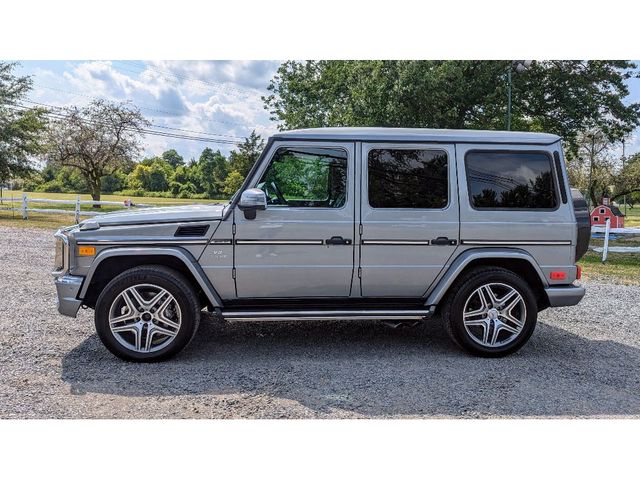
(581, 361)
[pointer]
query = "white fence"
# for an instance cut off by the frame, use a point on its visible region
(24, 208)
(608, 231)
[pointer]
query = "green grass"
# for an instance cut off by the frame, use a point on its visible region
(633, 216)
(623, 268)
(57, 220)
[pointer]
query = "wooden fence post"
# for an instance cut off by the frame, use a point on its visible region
(605, 249)
(77, 208)
(25, 202)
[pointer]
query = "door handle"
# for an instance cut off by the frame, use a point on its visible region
(443, 241)
(336, 240)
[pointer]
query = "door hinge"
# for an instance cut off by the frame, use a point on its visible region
(233, 228)
(359, 272)
(360, 229)
(233, 273)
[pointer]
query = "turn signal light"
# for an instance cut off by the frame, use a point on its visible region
(558, 275)
(86, 251)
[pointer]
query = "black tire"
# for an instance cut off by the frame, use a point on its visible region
(170, 280)
(464, 288)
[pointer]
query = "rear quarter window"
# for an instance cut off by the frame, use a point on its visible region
(510, 180)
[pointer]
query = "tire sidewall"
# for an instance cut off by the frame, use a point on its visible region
(145, 276)
(460, 298)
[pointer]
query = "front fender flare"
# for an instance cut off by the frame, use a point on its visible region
(452, 271)
(181, 254)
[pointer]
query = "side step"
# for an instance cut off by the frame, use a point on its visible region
(348, 314)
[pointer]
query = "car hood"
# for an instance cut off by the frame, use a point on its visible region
(184, 213)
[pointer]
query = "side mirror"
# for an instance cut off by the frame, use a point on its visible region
(251, 201)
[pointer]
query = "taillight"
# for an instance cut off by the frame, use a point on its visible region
(578, 272)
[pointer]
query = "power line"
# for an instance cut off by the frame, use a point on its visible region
(59, 116)
(153, 124)
(144, 107)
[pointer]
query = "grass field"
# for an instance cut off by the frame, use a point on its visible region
(56, 220)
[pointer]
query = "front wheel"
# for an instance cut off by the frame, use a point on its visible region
(147, 314)
(490, 312)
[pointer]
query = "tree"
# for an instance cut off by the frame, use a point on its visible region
(562, 97)
(172, 158)
(247, 154)
(213, 169)
(627, 181)
(233, 183)
(96, 139)
(20, 127)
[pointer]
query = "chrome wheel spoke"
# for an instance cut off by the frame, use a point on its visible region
(163, 331)
(502, 301)
(136, 295)
(123, 318)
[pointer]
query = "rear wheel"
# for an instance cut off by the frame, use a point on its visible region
(490, 312)
(147, 314)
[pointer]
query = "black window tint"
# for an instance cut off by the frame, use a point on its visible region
(306, 177)
(408, 178)
(510, 180)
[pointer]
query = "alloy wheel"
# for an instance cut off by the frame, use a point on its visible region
(494, 315)
(145, 318)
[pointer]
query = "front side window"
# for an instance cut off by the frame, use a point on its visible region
(401, 178)
(306, 177)
(518, 180)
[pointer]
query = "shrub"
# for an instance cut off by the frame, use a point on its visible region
(53, 186)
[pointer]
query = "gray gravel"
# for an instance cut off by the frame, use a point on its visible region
(582, 361)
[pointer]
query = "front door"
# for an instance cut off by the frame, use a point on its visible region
(409, 216)
(302, 245)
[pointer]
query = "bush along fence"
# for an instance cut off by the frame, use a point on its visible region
(24, 208)
(612, 233)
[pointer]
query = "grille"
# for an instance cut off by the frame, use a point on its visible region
(192, 231)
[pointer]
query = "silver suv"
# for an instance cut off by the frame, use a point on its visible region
(344, 223)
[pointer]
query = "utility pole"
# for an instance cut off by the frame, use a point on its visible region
(591, 155)
(624, 197)
(509, 97)
(520, 66)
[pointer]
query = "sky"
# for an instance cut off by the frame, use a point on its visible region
(217, 100)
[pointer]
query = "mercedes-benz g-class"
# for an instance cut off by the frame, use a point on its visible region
(480, 227)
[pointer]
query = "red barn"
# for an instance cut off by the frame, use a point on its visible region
(600, 214)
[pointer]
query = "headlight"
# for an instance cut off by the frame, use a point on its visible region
(62, 253)
(59, 261)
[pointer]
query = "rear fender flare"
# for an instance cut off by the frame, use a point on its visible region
(453, 271)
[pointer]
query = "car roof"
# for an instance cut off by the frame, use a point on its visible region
(382, 134)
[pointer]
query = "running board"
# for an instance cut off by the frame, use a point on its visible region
(289, 315)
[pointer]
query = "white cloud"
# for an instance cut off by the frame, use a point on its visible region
(220, 97)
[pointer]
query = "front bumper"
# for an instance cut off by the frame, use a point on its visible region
(68, 287)
(565, 296)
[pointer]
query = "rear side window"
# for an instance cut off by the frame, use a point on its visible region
(518, 180)
(401, 178)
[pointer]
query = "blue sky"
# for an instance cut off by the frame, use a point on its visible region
(213, 99)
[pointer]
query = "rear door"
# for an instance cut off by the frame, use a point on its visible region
(409, 217)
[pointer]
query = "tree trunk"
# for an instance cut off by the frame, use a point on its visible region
(95, 193)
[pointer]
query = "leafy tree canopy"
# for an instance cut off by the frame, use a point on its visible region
(242, 160)
(562, 97)
(20, 127)
(96, 139)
